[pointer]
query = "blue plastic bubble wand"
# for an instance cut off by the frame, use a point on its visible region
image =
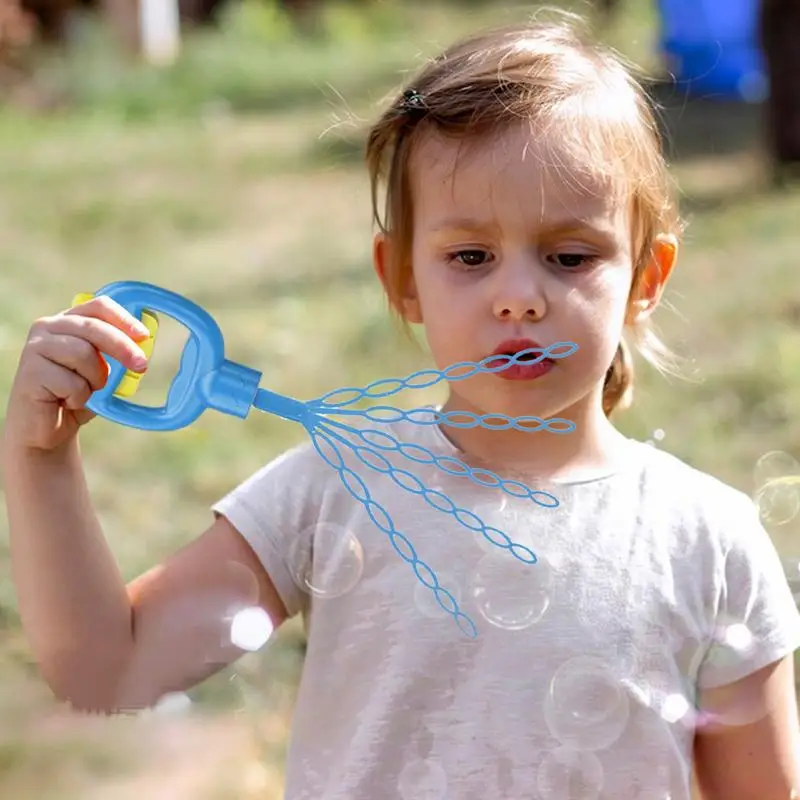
(206, 379)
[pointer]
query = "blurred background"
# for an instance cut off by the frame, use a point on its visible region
(214, 147)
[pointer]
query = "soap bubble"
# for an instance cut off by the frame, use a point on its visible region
(425, 598)
(778, 501)
(172, 703)
(777, 487)
(656, 690)
(737, 637)
(251, 628)
(653, 689)
(675, 707)
(586, 706)
(731, 643)
(491, 501)
(202, 616)
(754, 87)
(494, 512)
(516, 523)
(422, 779)
(565, 772)
(509, 593)
(327, 560)
(772, 465)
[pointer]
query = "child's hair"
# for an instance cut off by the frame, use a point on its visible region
(544, 74)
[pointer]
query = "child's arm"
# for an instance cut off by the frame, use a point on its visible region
(99, 645)
(753, 752)
(102, 646)
(183, 611)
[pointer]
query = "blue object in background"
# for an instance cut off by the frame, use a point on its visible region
(711, 48)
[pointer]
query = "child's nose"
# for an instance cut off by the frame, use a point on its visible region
(519, 295)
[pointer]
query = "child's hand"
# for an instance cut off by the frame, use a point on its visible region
(62, 364)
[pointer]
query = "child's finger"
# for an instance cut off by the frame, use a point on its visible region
(104, 336)
(108, 310)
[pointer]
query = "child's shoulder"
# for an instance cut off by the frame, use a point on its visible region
(691, 492)
(668, 467)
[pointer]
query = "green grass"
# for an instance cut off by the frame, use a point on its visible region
(213, 179)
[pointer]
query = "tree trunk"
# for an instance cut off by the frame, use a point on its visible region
(780, 41)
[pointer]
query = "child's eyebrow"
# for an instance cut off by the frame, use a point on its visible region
(577, 226)
(462, 224)
(545, 230)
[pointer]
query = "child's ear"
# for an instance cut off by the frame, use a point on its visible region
(407, 304)
(654, 278)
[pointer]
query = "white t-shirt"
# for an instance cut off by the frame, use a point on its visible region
(651, 582)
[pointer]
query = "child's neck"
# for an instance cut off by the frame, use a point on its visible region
(594, 448)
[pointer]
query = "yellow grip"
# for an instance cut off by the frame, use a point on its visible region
(130, 380)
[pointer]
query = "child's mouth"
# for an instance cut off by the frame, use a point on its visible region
(528, 362)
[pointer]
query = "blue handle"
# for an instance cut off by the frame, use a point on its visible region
(205, 379)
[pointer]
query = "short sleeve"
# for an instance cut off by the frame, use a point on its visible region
(756, 621)
(272, 509)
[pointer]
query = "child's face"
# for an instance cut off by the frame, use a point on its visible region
(504, 249)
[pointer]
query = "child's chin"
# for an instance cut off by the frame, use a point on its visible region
(511, 399)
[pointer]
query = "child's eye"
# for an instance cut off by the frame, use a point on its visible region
(572, 260)
(470, 258)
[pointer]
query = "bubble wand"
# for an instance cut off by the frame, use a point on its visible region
(206, 379)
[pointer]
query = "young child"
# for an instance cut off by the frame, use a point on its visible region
(526, 203)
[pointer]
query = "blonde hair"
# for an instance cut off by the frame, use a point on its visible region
(544, 73)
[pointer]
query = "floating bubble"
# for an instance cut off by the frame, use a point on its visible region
(777, 487)
(658, 435)
(493, 511)
(754, 87)
(568, 773)
(655, 690)
(509, 593)
(517, 523)
(774, 465)
(778, 501)
(422, 779)
(651, 690)
(201, 615)
(737, 637)
(586, 706)
(173, 703)
(240, 581)
(251, 628)
(675, 708)
(495, 502)
(425, 598)
(327, 560)
(731, 645)
(731, 642)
